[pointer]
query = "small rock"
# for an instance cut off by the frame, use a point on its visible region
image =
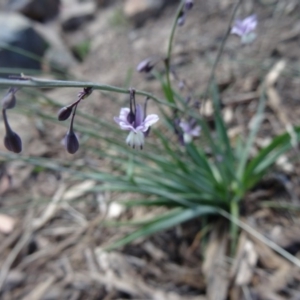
(58, 55)
(39, 10)
(53, 293)
(13, 280)
(140, 10)
(103, 3)
(18, 33)
(75, 15)
(7, 224)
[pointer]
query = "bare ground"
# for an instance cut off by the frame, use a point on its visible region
(55, 249)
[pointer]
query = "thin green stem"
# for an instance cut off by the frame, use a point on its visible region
(170, 45)
(46, 83)
(260, 237)
(234, 210)
(221, 48)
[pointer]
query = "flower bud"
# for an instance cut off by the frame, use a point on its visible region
(13, 142)
(189, 4)
(71, 142)
(145, 66)
(64, 113)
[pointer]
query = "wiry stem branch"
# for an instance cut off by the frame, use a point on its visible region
(46, 83)
(221, 48)
(170, 45)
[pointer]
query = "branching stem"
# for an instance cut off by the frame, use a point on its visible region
(46, 83)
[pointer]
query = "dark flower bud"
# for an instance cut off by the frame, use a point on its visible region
(71, 142)
(145, 66)
(9, 100)
(13, 142)
(64, 113)
(189, 4)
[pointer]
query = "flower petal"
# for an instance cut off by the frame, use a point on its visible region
(139, 115)
(248, 38)
(185, 126)
(250, 20)
(236, 30)
(244, 27)
(124, 112)
(250, 24)
(124, 125)
(122, 119)
(149, 121)
(135, 139)
(195, 131)
(187, 138)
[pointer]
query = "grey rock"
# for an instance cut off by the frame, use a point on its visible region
(138, 11)
(77, 14)
(104, 3)
(58, 56)
(14, 279)
(21, 46)
(39, 10)
(53, 293)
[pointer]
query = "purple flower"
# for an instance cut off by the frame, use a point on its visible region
(190, 129)
(245, 29)
(135, 120)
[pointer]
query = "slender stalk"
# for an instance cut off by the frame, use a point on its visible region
(7, 127)
(221, 48)
(234, 210)
(293, 259)
(170, 45)
(46, 83)
(73, 116)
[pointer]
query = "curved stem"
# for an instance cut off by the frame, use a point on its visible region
(7, 127)
(221, 48)
(46, 83)
(170, 44)
(73, 116)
